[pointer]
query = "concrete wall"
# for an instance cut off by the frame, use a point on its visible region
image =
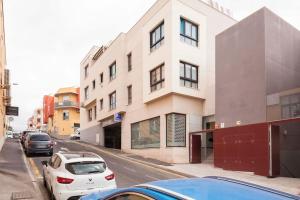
(240, 72)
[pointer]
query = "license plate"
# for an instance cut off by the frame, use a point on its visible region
(41, 146)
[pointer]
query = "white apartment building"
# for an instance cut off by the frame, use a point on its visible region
(151, 87)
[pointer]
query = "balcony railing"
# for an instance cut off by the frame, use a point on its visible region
(66, 104)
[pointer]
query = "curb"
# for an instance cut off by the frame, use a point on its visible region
(179, 174)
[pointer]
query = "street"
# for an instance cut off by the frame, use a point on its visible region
(127, 172)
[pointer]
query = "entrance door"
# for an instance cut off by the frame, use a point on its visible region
(195, 148)
(112, 136)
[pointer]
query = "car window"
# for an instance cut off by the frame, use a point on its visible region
(40, 138)
(87, 167)
(131, 196)
(57, 163)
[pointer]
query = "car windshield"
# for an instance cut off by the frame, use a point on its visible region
(39, 138)
(87, 167)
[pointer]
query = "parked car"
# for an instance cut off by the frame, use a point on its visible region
(38, 142)
(24, 134)
(9, 134)
(75, 135)
(69, 175)
(16, 135)
(208, 188)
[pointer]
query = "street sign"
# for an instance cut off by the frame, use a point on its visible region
(117, 117)
(11, 110)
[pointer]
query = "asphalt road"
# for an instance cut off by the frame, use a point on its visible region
(127, 172)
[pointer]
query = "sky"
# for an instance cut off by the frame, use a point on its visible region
(47, 39)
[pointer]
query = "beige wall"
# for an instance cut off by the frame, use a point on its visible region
(2, 67)
(195, 103)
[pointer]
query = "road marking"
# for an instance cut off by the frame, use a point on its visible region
(152, 177)
(33, 179)
(129, 169)
(35, 168)
(64, 149)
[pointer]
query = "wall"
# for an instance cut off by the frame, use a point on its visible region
(240, 72)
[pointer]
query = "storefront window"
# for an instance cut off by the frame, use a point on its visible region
(146, 134)
(290, 106)
(176, 130)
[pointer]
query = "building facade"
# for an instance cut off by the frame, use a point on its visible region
(147, 90)
(65, 118)
(4, 78)
(48, 112)
(258, 96)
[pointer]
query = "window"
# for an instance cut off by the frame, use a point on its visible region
(146, 134)
(129, 94)
(94, 84)
(129, 61)
(101, 104)
(66, 98)
(112, 100)
(86, 92)
(188, 32)
(157, 78)
(95, 112)
(90, 114)
(157, 37)
(101, 78)
(290, 106)
(65, 115)
(86, 71)
(57, 163)
(188, 75)
(176, 131)
(112, 71)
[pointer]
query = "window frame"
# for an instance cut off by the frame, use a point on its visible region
(182, 19)
(129, 94)
(86, 72)
(129, 61)
(131, 146)
(110, 101)
(167, 129)
(162, 77)
(86, 92)
(101, 78)
(95, 112)
(112, 76)
(101, 104)
(160, 25)
(191, 75)
(94, 84)
(90, 114)
(66, 117)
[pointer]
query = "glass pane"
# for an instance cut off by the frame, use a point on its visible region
(162, 30)
(187, 71)
(158, 74)
(153, 38)
(176, 130)
(146, 134)
(182, 26)
(194, 73)
(181, 69)
(162, 72)
(188, 29)
(181, 82)
(157, 34)
(194, 32)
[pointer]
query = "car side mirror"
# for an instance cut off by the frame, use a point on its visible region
(45, 162)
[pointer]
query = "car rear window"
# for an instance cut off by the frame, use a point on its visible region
(39, 138)
(86, 167)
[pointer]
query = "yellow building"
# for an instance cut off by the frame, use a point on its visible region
(4, 78)
(66, 111)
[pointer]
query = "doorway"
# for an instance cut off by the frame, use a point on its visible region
(112, 136)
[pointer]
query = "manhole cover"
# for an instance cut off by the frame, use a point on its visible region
(21, 195)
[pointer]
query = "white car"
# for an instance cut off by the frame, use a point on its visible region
(9, 134)
(69, 175)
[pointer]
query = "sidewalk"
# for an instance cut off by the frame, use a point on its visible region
(14, 178)
(289, 185)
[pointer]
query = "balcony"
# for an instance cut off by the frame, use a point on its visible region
(66, 104)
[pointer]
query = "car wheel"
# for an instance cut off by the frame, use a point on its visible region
(50, 153)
